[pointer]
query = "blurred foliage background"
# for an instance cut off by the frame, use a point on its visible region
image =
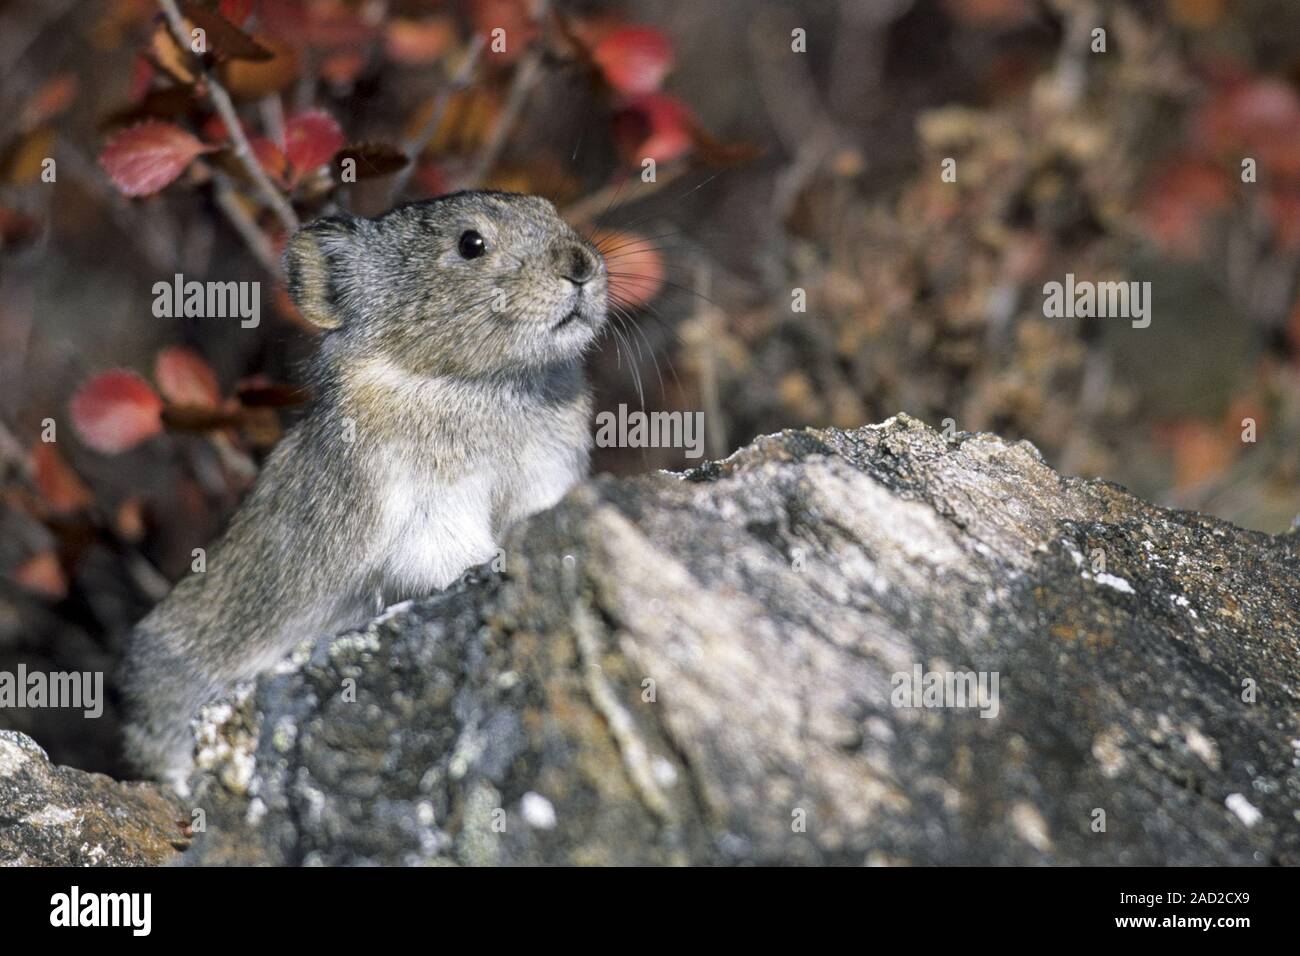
(777, 170)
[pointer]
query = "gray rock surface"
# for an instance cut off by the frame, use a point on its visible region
(58, 816)
(699, 668)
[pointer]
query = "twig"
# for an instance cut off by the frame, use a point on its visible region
(418, 143)
(613, 195)
(12, 454)
(272, 118)
(1071, 72)
(709, 316)
(226, 110)
(525, 78)
(20, 37)
(803, 124)
(258, 244)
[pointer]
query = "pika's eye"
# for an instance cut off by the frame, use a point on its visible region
(471, 245)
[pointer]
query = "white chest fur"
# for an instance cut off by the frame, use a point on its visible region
(432, 528)
(431, 532)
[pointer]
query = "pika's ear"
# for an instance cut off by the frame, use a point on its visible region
(320, 269)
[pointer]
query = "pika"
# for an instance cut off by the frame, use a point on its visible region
(451, 403)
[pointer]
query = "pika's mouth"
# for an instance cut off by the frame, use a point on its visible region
(574, 313)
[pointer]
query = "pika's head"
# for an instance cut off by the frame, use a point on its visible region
(473, 283)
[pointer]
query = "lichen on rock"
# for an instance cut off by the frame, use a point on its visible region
(701, 668)
(58, 816)
(725, 666)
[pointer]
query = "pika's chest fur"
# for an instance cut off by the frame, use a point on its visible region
(460, 467)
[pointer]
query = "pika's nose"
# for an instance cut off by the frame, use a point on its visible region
(576, 263)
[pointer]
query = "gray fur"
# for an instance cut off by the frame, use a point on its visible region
(464, 419)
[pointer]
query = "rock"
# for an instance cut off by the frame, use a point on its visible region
(703, 668)
(58, 816)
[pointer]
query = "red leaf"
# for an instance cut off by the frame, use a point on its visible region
(1241, 112)
(634, 60)
(1180, 201)
(270, 158)
(236, 11)
(116, 410)
(1258, 118)
(145, 158)
(655, 126)
(311, 139)
(636, 270)
(57, 483)
(42, 574)
(214, 129)
(142, 74)
(184, 378)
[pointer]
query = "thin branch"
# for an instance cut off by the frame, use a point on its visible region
(256, 240)
(272, 111)
(710, 319)
(613, 195)
(418, 143)
(226, 110)
(525, 78)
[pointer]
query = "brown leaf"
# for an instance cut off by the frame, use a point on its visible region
(60, 488)
(23, 162)
(372, 159)
(50, 100)
(170, 58)
(199, 418)
(717, 153)
(128, 520)
(167, 103)
(17, 229)
(253, 79)
(418, 42)
(225, 41)
(257, 393)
